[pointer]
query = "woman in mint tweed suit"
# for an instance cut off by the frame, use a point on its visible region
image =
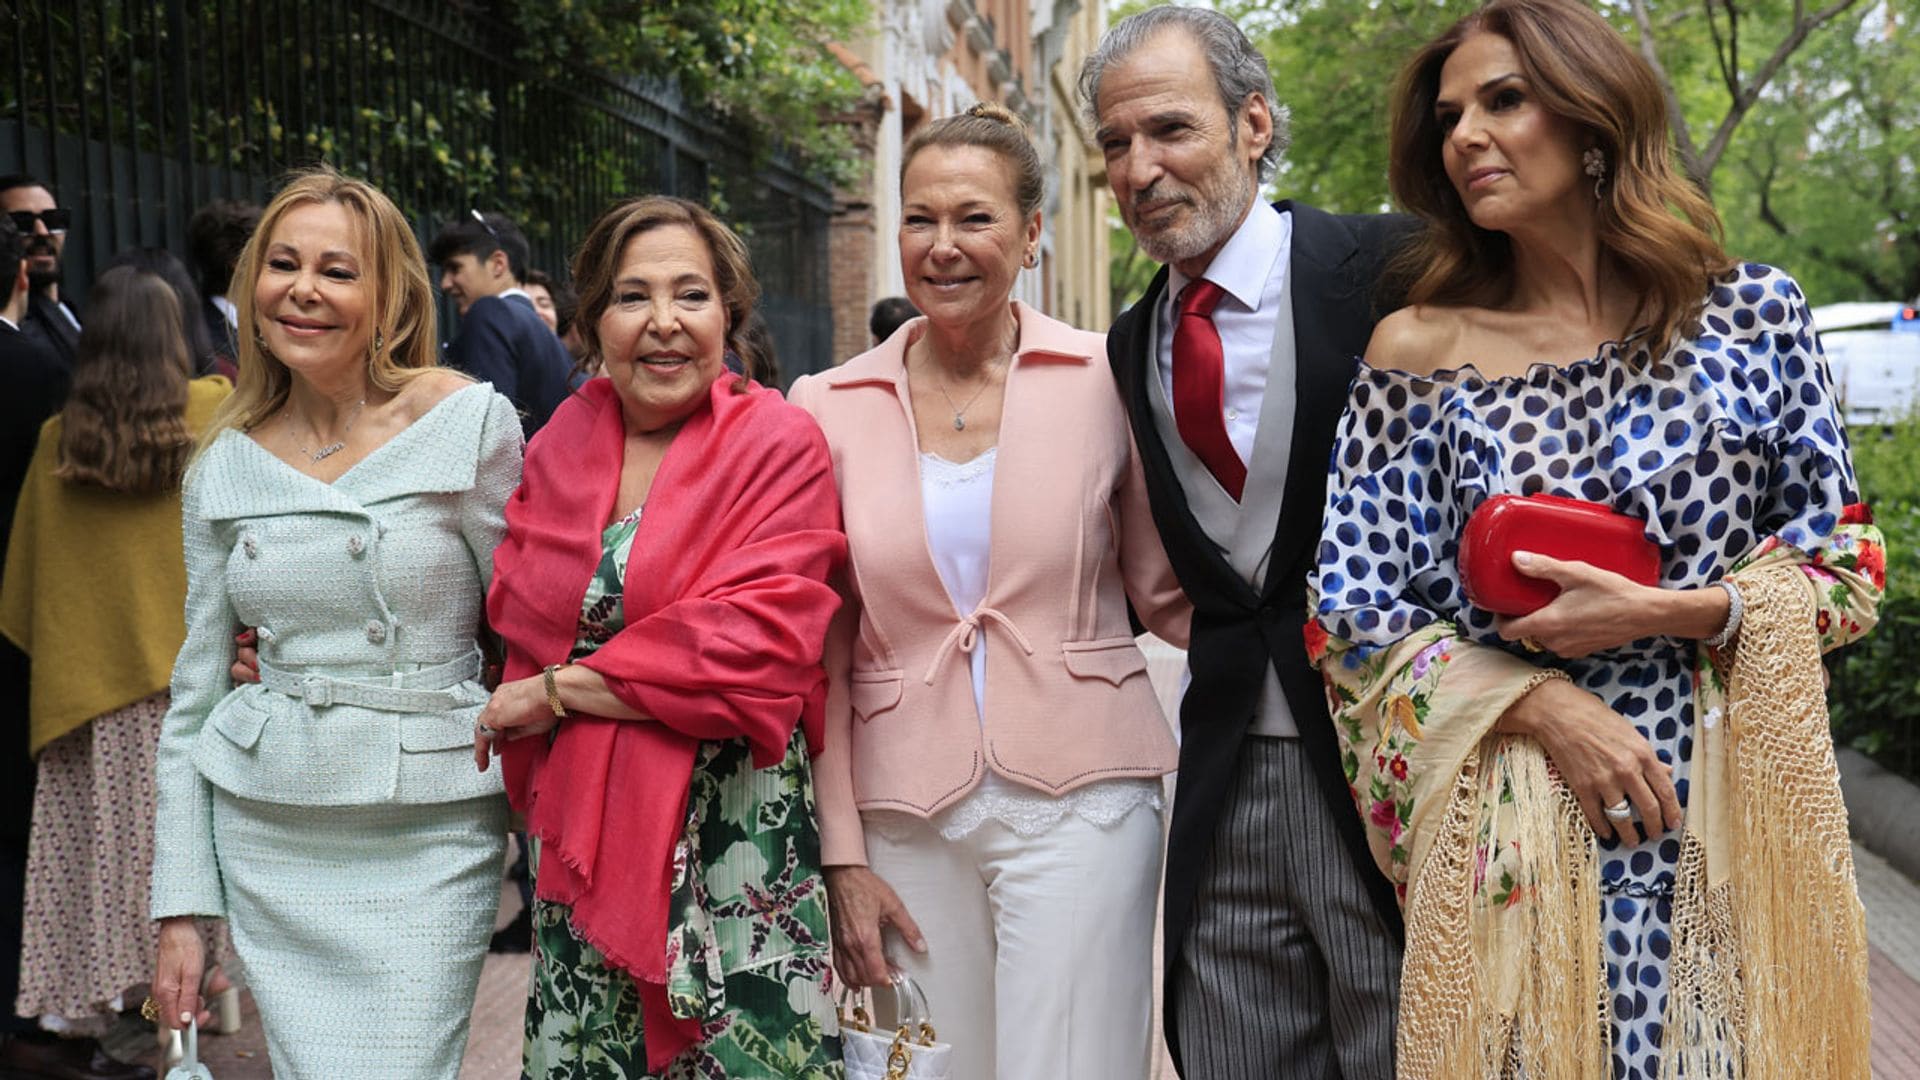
(346, 504)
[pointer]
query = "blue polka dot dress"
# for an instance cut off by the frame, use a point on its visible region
(1731, 437)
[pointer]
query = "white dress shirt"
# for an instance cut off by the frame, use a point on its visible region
(1252, 269)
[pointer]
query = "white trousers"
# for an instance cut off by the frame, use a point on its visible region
(1039, 961)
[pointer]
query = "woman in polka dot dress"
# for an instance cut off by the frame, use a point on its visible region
(1575, 330)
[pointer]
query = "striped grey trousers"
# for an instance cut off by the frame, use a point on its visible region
(1288, 972)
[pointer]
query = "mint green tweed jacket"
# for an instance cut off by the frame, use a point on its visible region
(383, 571)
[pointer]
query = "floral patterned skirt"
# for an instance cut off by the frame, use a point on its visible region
(747, 948)
(86, 938)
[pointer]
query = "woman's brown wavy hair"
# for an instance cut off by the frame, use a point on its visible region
(124, 427)
(596, 266)
(1658, 228)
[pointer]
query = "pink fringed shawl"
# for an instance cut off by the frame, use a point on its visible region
(727, 605)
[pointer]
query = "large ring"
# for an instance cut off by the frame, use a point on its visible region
(482, 731)
(1531, 645)
(1619, 811)
(149, 1011)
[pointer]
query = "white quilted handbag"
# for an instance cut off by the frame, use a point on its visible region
(911, 1051)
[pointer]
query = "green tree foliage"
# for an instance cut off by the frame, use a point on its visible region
(1822, 180)
(762, 63)
(1876, 688)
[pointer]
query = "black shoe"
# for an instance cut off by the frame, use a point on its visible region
(516, 936)
(29, 1057)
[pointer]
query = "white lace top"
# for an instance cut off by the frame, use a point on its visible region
(957, 500)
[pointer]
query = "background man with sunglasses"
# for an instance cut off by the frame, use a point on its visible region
(483, 260)
(43, 228)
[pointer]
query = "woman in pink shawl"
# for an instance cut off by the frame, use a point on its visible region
(662, 593)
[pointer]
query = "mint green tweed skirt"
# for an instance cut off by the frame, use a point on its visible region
(362, 929)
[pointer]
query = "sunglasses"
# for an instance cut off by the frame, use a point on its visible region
(56, 220)
(483, 224)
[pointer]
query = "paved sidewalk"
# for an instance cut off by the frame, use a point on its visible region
(1893, 931)
(1893, 928)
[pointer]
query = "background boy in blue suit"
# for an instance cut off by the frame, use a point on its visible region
(502, 340)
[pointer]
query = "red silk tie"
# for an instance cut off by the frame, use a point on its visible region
(1199, 377)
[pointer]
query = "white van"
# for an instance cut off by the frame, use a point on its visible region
(1874, 353)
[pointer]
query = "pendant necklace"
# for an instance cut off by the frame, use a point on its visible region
(332, 448)
(959, 411)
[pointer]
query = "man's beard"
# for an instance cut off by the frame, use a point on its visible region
(39, 280)
(1215, 213)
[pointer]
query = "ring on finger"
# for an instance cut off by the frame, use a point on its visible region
(1531, 645)
(1619, 811)
(482, 731)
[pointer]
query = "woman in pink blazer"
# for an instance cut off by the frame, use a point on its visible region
(990, 788)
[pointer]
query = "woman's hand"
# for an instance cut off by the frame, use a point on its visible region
(516, 710)
(176, 977)
(1600, 755)
(1599, 609)
(861, 907)
(246, 657)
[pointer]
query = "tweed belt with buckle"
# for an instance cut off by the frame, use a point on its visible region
(426, 690)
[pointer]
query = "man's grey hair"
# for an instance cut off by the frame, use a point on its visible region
(1239, 70)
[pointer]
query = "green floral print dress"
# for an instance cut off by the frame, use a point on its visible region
(747, 950)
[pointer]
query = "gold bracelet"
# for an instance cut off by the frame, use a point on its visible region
(553, 692)
(1539, 678)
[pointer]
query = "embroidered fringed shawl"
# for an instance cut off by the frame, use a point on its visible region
(1497, 866)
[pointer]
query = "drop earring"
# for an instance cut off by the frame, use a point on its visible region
(1594, 164)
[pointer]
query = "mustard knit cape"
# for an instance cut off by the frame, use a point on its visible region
(1497, 867)
(95, 586)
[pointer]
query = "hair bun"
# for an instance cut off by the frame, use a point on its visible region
(993, 110)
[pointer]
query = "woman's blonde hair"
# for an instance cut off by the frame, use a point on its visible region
(124, 427)
(596, 266)
(404, 343)
(1658, 227)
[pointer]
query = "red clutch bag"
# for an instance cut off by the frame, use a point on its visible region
(1571, 530)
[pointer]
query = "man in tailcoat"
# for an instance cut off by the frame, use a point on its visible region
(1282, 939)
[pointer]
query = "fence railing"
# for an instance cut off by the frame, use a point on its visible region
(139, 112)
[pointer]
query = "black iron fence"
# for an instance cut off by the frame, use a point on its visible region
(136, 112)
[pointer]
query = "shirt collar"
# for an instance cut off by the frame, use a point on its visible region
(1246, 261)
(11, 325)
(515, 291)
(227, 310)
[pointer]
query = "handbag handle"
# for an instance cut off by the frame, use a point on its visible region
(909, 1001)
(909, 1010)
(190, 1067)
(912, 1015)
